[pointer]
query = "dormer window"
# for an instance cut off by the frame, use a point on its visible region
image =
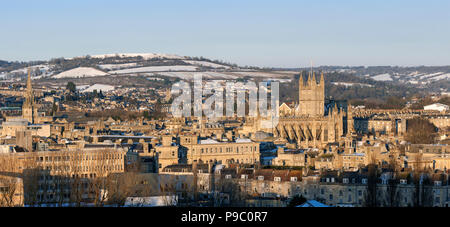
(345, 181)
(403, 181)
(260, 177)
(228, 176)
(278, 179)
(294, 179)
(364, 180)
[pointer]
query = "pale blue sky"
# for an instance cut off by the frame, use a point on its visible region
(280, 33)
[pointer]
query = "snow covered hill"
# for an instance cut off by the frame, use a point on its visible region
(145, 56)
(80, 72)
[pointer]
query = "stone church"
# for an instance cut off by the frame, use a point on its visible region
(313, 122)
(29, 109)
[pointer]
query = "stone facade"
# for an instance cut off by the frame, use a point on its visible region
(313, 124)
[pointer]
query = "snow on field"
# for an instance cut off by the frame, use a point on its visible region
(155, 69)
(415, 74)
(80, 72)
(98, 87)
(42, 68)
(430, 75)
(441, 77)
(383, 77)
(225, 75)
(155, 78)
(263, 74)
(146, 56)
(282, 80)
(412, 81)
(207, 64)
(351, 84)
(117, 66)
(190, 75)
(82, 87)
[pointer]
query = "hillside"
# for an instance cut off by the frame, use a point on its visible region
(376, 83)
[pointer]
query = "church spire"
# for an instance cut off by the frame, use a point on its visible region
(309, 79)
(29, 91)
(28, 106)
(313, 81)
(29, 88)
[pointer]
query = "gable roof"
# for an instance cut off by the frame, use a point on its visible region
(313, 203)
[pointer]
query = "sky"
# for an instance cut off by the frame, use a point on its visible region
(281, 33)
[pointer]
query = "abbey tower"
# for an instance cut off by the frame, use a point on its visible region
(312, 96)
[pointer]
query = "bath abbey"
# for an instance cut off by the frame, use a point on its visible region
(312, 122)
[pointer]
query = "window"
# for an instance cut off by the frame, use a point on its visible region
(345, 180)
(294, 179)
(244, 176)
(364, 180)
(228, 176)
(260, 177)
(277, 179)
(403, 181)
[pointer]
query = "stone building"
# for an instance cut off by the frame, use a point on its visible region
(290, 158)
(167, 152)
(51, 176)
(242, 151)
(312, 123)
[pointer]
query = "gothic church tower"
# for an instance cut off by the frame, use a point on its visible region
(312, 96)
(28, 108)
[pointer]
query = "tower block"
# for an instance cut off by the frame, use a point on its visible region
(312, 96)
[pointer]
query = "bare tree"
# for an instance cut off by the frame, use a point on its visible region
(423, 196)
(392, 192)
(371, 194)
